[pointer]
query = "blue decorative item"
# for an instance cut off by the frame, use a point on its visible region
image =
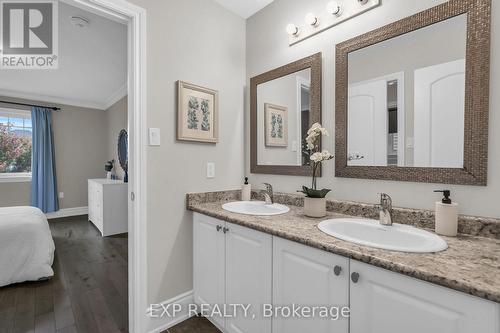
(43, 165)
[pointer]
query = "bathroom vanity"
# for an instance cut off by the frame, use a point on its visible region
(285, 260)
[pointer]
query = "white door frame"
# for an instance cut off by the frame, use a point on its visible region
(135, 17)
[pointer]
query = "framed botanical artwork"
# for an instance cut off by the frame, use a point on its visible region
(197, 113)
(276, 125)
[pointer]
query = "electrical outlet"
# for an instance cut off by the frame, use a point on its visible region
(210, 170)
(61, 195)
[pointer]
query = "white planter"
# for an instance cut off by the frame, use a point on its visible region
(315, 207)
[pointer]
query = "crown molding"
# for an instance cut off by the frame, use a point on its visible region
(53, 99)
(116, 96)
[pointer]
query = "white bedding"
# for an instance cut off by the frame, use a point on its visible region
(26, 245)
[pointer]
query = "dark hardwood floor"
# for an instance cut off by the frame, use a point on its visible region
(88, 293)
(194, 325)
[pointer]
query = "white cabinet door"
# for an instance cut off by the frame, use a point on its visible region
(387, 302)
(306, 276)
(248, 278)
(209, 263)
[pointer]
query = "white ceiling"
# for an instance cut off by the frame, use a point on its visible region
(92, 65)
(244, 8)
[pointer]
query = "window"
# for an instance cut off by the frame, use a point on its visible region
(15, 145)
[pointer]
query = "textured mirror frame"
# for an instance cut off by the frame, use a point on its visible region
(314, 63)
(477, 78)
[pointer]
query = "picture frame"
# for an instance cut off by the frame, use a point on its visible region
(197, 113)
(276, 125)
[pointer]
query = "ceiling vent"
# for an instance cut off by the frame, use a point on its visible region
(79, 21)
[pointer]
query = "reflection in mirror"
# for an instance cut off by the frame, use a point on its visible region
(406, 99)
(283, 113)
(123, 152)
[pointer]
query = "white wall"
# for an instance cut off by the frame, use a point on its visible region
(267, 48)
(199, 42)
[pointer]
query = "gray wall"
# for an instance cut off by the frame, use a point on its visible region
(79, 134)
(116, 120)
(267, 48)
(199, 42)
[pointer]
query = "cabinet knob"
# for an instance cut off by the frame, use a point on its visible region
(355, 277)
(337, 269)
(225, 230)
(218, 228)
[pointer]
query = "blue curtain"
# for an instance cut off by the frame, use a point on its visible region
(43, 165)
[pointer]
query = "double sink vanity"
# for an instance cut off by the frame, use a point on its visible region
(361, 231)
(397, 278)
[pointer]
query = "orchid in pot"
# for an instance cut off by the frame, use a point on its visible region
(315, 201)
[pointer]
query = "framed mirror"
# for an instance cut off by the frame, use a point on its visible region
(412, 98)
(284, 103)
(123, 152)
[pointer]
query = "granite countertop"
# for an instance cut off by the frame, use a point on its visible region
(470, 264)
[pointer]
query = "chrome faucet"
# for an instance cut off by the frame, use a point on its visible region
(385, 209)
(268, 194)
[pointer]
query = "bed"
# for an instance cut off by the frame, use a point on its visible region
(26, 245)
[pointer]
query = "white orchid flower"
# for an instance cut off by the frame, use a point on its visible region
(316, 157)
(325, 154)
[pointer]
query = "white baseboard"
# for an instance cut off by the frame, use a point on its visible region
(157, 325)
(65, 212)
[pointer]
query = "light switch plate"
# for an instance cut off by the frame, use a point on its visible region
(210, 170)
(154, 137)
(410, 142)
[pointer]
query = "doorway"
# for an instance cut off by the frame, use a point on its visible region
(135, 18)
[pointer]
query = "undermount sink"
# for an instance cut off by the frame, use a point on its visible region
(397, 237)
(255, 208)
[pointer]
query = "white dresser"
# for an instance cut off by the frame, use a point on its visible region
(108, 206)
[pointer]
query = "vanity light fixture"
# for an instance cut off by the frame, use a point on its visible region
(335, 13)
(334, 8)
(292, 30)
(312, 20)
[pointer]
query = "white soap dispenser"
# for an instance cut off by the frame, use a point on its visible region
(246, 191)
(446, 215)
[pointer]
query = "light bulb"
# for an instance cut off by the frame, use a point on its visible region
(311, 19)
(334, 8)
(292, 29)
